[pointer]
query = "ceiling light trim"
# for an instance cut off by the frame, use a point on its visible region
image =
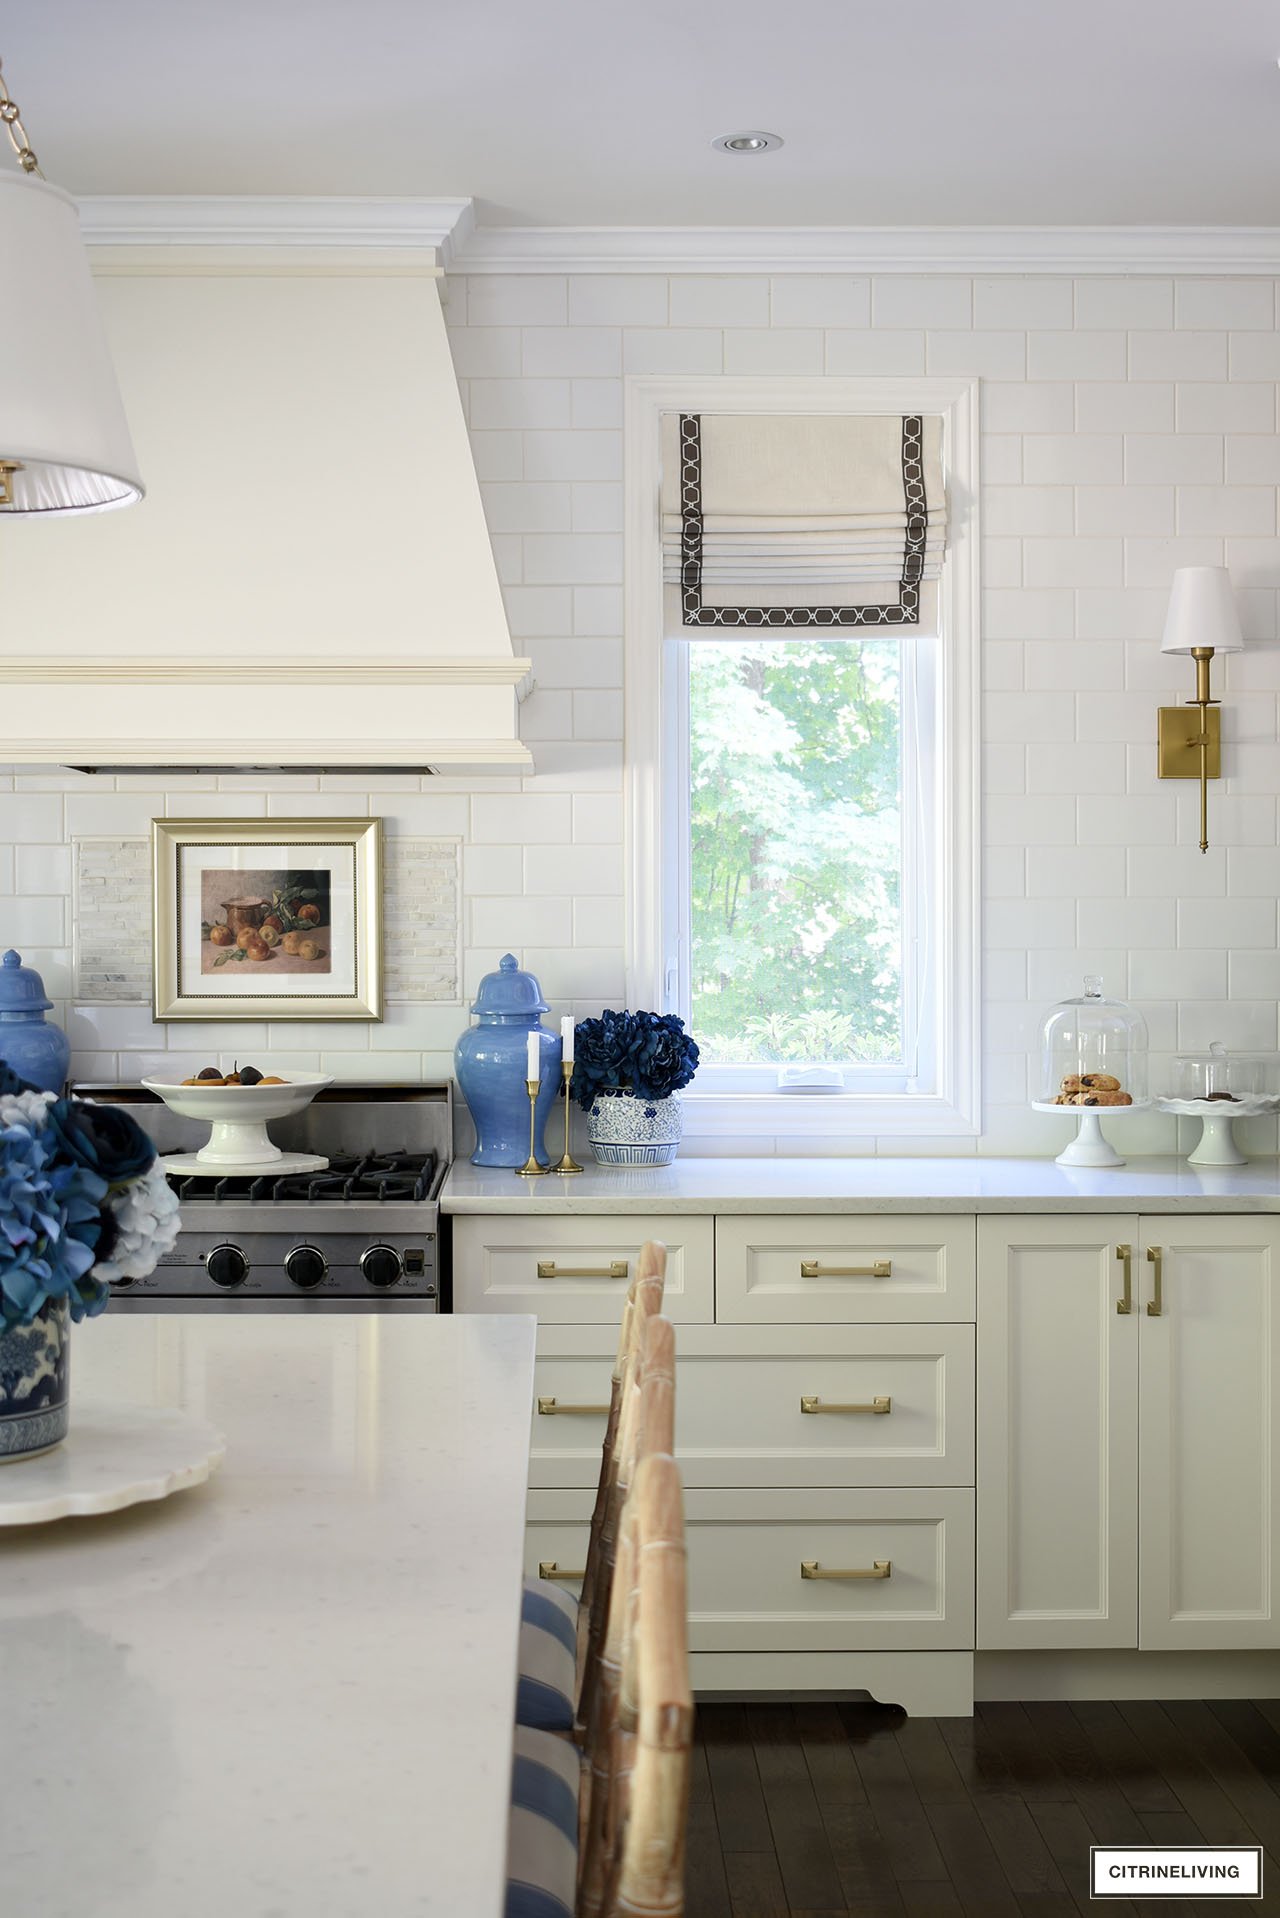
(1111, 251)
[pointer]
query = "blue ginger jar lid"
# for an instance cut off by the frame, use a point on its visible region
(510, 993)
(22, 988)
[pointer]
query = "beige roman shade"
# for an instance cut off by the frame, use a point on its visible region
(801, 520)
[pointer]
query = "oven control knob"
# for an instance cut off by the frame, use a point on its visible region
(306, 1266)
(226, 1265)
(381, 1265)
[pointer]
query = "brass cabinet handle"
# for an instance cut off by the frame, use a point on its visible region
(880, 1568)
(547, 1568)
(816, 1405)
(1124, 1304)
(548, 1269)
(552, 1409)
(1155, 1304)
(811, 1269)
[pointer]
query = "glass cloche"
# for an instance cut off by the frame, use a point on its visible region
(1093, 1052)
(1231, 1078)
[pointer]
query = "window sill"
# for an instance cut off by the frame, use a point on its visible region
(824, 1115)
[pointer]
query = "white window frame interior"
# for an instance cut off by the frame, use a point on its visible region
(655, 683)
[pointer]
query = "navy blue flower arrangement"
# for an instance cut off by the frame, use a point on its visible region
(648, 1053)
(83, 1201)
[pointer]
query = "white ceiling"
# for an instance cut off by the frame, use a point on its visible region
(592, 112)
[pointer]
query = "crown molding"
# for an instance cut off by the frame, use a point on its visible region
(872, 249)
(438, 226)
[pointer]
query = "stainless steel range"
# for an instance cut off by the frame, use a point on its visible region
(361, 1236)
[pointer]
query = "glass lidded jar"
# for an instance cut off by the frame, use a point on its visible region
(1229, 1078)
(1093, 1052)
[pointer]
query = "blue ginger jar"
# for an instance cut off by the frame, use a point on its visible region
(29, 1045)
(490, 1060)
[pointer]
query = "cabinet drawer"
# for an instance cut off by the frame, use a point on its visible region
(746, 1550)
(816, 1269)
(886, 1405)
(576, 1271)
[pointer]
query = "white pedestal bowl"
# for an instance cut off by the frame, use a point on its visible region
(238, 1117)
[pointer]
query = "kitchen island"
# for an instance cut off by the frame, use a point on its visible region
(290, 1690)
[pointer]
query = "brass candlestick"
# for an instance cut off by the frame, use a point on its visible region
(531, 1169)
(567, 1164)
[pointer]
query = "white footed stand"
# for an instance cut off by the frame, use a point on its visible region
(1089, 1148)
(1217, 1143)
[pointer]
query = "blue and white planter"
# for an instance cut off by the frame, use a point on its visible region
(33, 1383)
(625, 1130)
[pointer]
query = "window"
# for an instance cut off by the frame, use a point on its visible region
(802, 820)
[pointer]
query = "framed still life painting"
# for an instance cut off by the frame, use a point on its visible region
(267, 918)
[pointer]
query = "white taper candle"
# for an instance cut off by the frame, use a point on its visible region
(566, 1042)
(533, 1068)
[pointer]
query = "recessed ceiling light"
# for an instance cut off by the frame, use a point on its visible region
(753, 142)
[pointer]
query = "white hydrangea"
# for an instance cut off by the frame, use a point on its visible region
(146, 1216)
(25, 1108)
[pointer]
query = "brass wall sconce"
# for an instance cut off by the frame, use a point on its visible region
(1202, 620)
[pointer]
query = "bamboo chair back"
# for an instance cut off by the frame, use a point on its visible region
(633, 1864)
(617, 1462)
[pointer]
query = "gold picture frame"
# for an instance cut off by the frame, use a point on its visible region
(267, 918)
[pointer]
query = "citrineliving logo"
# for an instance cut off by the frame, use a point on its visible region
(1175, 1871)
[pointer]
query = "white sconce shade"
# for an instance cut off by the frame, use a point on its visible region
(1202, 612)
(62, 426)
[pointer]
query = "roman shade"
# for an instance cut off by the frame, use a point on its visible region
(801, 520)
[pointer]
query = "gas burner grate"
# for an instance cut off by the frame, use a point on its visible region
(376, 1178)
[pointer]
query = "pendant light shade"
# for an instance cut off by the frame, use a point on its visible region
(64, 441)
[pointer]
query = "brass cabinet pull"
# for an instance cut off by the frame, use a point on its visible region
(548, 1269)
(1124, 1304)
(547, 1568)
(811, 1269)
(816, 1405)
(552, 1409)
(880, 1568)
(1155, 1304)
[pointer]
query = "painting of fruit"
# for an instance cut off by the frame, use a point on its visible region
(268, 921)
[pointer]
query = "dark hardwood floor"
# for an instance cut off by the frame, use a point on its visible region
(819, 1811)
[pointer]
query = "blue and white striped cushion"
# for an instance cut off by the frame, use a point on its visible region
(542, 1842)
(548, 1656)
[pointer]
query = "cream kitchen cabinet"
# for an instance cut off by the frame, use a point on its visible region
(1128, 1437)
(571, 1271)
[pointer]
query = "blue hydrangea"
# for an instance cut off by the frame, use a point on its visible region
(648, 1053)
(50, 1220)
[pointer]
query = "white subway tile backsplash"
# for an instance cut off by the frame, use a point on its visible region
(596, 405)
(1253, 459)
(526, 507)
(576, 455)
(989, 356)
(1230, 303)
(766, 350)
(1017, 613)
(1124, 509)
(867, 353)
(1111, 406)
(899, 300)
(719, 299)
(596, 506)
(1056, 872)
(1172, 459)
(521, 818)
(1177, 356)
(1218, 407)
(582, 352)
(1073, 562)
(1033, 407)
(1123, 303)
(1076, 356)
(517, 299)
(1023, 510)
(821, 299)
(519, 402)
(1008, 301)
(673, 349)
(1227, 922)
(1073, 459)
(618, 299)
(1249, 510)
(537, 611)
(572, 558)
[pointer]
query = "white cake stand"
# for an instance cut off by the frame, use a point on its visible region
(1217, 1144)
(237, 1117)
(113, 1456)
(1089, 1148)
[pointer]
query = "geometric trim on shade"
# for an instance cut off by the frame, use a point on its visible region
(902, 612)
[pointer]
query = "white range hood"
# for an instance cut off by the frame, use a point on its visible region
(309, 582)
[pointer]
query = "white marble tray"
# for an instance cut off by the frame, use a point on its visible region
(113, 1456)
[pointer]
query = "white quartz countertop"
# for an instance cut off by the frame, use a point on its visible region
(289, 1692)
(965, 1184)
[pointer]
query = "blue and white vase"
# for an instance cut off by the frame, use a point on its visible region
(29, 1045)
(34, 1368)
(490, 1060)
(625, 1130)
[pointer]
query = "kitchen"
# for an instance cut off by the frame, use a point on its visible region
(398, 454)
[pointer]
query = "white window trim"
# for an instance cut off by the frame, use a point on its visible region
(954, 1111)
